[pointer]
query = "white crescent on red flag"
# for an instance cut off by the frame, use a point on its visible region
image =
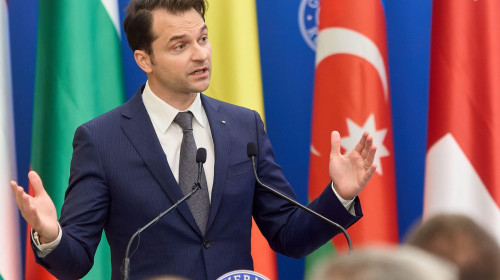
(351, 95)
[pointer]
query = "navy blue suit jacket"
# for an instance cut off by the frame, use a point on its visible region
(120, 180)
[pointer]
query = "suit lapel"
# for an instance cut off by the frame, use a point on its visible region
(140, 131)
(220, 134)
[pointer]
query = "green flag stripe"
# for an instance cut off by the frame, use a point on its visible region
(111, 7)
(317, 257)
(78, 77)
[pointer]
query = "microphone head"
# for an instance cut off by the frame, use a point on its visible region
(251, 149)
(201, 155)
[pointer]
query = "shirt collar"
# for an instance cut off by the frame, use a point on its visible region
(162, 114)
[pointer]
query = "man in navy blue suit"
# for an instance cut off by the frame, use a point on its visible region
(125, 170)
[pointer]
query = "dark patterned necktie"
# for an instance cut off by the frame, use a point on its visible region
(199, 203)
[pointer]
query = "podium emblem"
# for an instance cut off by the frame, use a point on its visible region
(242, 275)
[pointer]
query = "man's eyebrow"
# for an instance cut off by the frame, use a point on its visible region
(203, 28)
(178, 37)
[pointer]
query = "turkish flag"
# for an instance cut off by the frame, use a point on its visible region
(463, 152)
(351, 95)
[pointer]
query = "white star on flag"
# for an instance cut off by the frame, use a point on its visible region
(355, 133)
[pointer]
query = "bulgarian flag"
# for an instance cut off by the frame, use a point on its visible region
(463, 153)
(351, 95)
(78, 77)
(10, 252)
(236, 78)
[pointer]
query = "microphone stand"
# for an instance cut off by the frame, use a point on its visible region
(201, 155)
(251, 153)
(126, 260)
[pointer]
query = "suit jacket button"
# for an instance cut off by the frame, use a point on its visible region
(206, 244)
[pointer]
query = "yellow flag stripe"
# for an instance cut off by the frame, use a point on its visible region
(236, 75)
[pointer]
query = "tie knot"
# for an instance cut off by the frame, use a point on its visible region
(184, 120)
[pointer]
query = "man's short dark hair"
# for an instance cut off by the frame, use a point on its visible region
(139, 20)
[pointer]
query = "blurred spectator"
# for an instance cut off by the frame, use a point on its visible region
(390, 263)
(462, 241)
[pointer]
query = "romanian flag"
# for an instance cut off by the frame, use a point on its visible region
(236, 78)
(351, 95)
(463, 153)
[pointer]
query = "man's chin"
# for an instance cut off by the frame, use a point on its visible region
(203, 88)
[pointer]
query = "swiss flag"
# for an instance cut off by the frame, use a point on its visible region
(463, 154)
(351, 95)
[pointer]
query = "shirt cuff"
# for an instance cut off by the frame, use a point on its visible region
(348, 204)
(44, 249)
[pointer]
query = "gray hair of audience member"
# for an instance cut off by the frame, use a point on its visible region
(386, 263)
(462, 241)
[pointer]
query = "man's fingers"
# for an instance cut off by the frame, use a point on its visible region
(36, 182)
(13, 186)
(18, 192)
(25, 202)
(16, 189)
(367, 146)
(370, 155)
(335, 141)
(369, 173)
(361, 143)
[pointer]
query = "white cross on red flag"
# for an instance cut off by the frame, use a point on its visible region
(463, 150)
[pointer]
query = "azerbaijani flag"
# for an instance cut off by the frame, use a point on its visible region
(236, 78)
(351, 95)
(10, 259)
(78, 77)
(463, 153)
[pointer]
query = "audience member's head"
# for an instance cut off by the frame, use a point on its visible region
(390, 263)
(462, 241)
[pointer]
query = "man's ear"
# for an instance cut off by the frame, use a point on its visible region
(143, 60)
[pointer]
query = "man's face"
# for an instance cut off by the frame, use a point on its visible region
(181, 59)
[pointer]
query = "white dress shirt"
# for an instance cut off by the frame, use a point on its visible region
(170, 134)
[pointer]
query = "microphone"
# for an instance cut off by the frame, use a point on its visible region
(201, 157)
(252, 153)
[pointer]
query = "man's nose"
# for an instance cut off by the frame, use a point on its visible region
(200, 53)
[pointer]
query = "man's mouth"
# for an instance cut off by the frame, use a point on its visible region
(199, 71)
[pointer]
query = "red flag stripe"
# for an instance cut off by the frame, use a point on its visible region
(264, 258)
